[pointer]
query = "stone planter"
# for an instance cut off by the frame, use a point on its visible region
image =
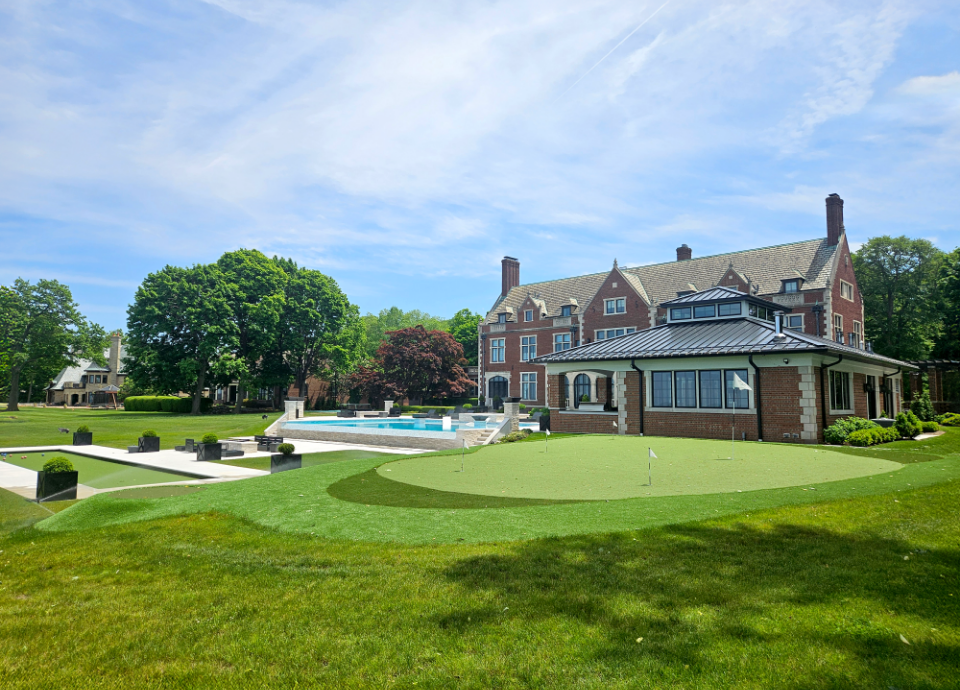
(282, 463)
(208, 451)
(544, 423)
(148, 444)
(590, 407)
(83, 439)
(57, 486)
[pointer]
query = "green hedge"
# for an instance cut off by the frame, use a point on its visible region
(929, 427)
(871, 437)
(441, 409)
(164, 403)
(951, 419)
(838, 432)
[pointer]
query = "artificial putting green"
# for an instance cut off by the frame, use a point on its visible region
(99, 474)
(616, 467)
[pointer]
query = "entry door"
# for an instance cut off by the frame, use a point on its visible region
(872, 397)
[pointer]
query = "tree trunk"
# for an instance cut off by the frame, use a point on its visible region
(13, 401)
(199, 392)
(241, 391)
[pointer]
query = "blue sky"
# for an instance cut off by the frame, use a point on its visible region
(405, 147)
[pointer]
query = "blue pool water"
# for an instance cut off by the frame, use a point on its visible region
(393, 427)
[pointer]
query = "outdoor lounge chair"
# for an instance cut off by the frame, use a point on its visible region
(536, 415)
(346, 413)
(395, 412)
(432, 414)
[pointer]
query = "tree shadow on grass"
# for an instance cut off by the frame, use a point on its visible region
(705, 596)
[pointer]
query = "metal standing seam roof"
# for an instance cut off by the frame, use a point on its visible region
(738, 336)
(723, 294)
(765, 267)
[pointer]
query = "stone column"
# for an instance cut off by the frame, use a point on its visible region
(293, 408)
(511, 410)
(387, 405)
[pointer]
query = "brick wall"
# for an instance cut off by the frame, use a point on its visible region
(592, 423)
(699, 424)
(603, 389)
(556, 392)
(780, 403)
(633, 397)
(851, 311)
(594, 318)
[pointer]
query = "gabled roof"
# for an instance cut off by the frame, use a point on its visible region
(741, 336)
(765, 267)
(72, 374)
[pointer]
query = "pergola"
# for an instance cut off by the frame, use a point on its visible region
(935, 370)
(105, 395)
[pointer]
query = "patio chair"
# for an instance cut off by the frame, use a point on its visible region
(536, 415)
(395, 412)
(432, 414)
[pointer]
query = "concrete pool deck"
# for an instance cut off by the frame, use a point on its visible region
(23, 482)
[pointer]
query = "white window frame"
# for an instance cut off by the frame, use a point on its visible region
(849, 391)
(528, 315)
(528, 382)
(786, 320)
(858, 334)
(846, 287)
(559, 342)
(838, 327)
(614, 306)
(497, 348)
(528, 349)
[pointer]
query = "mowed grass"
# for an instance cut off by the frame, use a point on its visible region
(863, 592)
(99, 474)
(119, 429)
(616, 467)
(342, 501)
(309, 459)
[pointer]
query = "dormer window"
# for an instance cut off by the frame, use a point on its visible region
(501, 318)
(707, 311)
(791, 286)
(566, 311)
(729, 309)
(528, 315)
(680, 313)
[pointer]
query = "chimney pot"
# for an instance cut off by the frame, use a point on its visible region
(834, 219)
(510, 274)
(684, 253)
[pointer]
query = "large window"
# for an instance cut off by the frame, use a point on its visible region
(686, 384)
(711, 389)
(736, 398)
(615, 306)
(528, 348)
(846, 290)
(528, 386)
(680, 313)
(840, 390)
(662, 389)
(613, 332)
(707, 311)
(729, 309)
(561, 341)
(794, 322)
(581, 387)
(496, 350)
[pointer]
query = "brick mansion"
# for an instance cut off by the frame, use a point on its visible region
(657, 349)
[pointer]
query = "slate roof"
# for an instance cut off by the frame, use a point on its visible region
(740, 336)
(765, 267)
(723, 294)
(73, 374)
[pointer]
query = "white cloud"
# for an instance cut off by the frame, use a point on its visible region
(945, 85)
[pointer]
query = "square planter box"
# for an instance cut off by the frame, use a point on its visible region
(208, 451)
(590, 407)
(148, 444)
(282, 463)
(59, 486)
(82, 439)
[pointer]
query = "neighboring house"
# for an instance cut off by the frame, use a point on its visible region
(812, 280)
(77, 385)
(682, 378)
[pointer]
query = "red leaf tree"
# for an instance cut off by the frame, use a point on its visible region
(417, 364)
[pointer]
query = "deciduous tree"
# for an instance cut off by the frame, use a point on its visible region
(463, 327)
(42, 331)
(948, 341)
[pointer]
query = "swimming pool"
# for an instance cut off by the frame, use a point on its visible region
(392, 431)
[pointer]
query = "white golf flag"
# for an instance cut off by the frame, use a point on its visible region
(740, 384)
(548, 432)
(652, 454)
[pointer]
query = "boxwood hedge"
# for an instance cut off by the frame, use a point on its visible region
(163, 403)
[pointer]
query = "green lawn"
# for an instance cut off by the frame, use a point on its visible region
(99, 474)
(340, 501)
(310, 459)
(863, 592)
(119, 429)
(616, 467)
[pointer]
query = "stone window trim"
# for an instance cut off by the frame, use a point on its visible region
(497, 350)
(619, 306)
(528, 348)
(846, 290)
(528, 384)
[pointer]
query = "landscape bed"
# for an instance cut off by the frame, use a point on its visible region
(97, 473)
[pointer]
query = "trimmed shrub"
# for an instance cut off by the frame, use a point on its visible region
(209, 438)
(922, 407)
(585, 398)
(164, 403)
(871, 437)
(467, 406)
(83, 429)
(907, 424)
(522, 408)
(515, 436)
(441, 409)
(951, 419)
(929, 427)
(149, 433)
(286, 448)
(838, 432)
(57, 465)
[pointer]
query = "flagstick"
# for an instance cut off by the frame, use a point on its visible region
(649, 467)
(463, 450)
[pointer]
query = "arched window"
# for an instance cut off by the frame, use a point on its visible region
(497, 389)
(581, 387)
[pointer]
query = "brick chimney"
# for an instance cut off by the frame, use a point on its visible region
(684, 253)
(834, 219)
(114, 361)
(511, 274)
